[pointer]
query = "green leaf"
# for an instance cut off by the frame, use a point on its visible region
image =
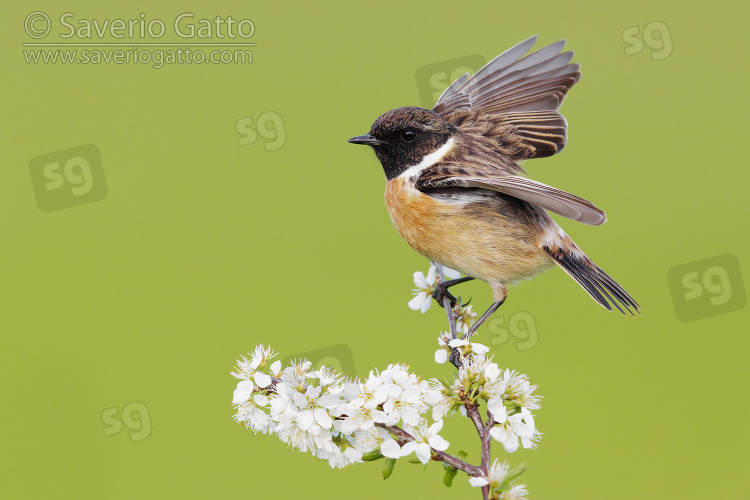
(372, 456)
(461, 455)
(516, 471)
(448, 477)
(415, 461)
(512, 474)
(390, 463)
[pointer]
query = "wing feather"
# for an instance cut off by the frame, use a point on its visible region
(524, 91)
(545, 76)
(550, 198)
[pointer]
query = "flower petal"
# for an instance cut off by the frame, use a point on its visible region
(323, 418)
(390, 448)
(419, 280)
(478, 348)
(427, 302)
(451, 273)
(511, 445)
(276, 367)
(353, 454)
(415, 304)
(423, 452)
(431, 275)
(478, 482)
(262, 380)
(441, 356)
(498, 434)
(436, 441)
(497, 408)
(240, 396)
(408, 448)
(436, 427)
(491, 371)
(379, 416)
(305, 419)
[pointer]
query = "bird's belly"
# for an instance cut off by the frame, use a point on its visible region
(469, 235)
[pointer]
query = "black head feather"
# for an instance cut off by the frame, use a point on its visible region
(406, 135)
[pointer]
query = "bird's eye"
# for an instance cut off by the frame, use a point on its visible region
(408, 135)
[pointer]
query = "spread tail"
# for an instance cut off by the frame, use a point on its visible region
(591, 277)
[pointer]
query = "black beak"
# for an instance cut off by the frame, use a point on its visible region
(365, 139)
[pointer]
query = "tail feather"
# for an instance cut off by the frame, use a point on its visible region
(591, 277)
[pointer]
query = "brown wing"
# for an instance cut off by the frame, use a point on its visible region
(568, 205)
(524, 91)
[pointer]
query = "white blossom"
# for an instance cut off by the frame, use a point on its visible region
(468, 348)
(339, 420)
(366, 440)
(516, 492)
(519, 390)
(497, 473)
(492, 372)
(424, 439)
(249, 402)
(340, 453)
(441, 355)
(392, 396)
(245, 369)
(424, 288)
(466, 318)
(390, 448)
(350, 455)
(302, 414)
(443, 399)
(261, 379)
(510, 428)
(250, 407)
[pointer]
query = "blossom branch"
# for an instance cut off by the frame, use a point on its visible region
(404, 437)
(347, 421)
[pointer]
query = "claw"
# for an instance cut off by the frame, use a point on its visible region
(441, 291)
(455, 358)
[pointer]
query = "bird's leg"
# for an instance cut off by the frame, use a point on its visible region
(455, 357)
(484, 317)
(441, 290)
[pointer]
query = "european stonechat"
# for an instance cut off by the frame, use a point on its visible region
(456, 192)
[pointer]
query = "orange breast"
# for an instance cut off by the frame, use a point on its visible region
(474, 238)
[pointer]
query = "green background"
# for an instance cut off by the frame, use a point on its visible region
(203, 248)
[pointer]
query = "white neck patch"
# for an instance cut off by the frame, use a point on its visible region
(429, 160)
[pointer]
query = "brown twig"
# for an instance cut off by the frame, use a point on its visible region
(403, 437)
(472, 411)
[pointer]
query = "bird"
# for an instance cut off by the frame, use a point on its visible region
(457, 193)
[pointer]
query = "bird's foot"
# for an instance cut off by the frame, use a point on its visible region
(441, 292)
(455, 357)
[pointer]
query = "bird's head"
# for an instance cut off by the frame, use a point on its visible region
(404, 137)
